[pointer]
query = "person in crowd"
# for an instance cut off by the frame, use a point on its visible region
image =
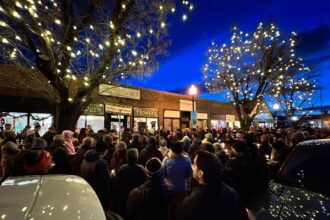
(89, 129)
(208, 138)
(245, 172)
(10, 152)
(151, 200)
(68, 137)
(37, 162)
(207, 146)
(177, 169)
(39, 144)
(87, 144)
(9, 136)
(163, 147)
(118, 157)
(297, 137)
(194, 147)
(7, 128)
(143, 140)
(186, 143)
(221, 154)
(130, 176)
(265, 147)
(108, 139)
(37, 128)
(62, 163)
(24, 133)
(135, 142)
(95, 171)
(211, 199)
(150, 151)
(82, 134)
(49, 135)
(279, 151)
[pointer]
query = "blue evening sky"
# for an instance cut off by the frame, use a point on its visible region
(212, 20)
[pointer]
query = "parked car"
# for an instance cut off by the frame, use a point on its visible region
(49, 197)
(301, 188)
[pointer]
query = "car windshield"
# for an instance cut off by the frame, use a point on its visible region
(305, 167)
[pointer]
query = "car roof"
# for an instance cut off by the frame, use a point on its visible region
(316, 142)
(49, 197)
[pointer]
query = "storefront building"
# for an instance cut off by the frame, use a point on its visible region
(139, 109)
(114, 107)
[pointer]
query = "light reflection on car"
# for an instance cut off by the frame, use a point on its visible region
(301, 188)
(49, 197)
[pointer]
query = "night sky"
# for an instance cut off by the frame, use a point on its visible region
(212, 20)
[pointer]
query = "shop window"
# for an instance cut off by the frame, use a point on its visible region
(97, 122)
(44, 120)
(17, 120)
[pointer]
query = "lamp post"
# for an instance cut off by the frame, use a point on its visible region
(276, 106)
(193, 92)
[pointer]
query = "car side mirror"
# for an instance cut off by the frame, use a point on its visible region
(276, 189)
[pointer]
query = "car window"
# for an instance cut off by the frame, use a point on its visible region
(308, 171)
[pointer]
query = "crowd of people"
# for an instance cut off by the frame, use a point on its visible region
(184, 174)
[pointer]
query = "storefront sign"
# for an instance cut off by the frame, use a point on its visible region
(230, 118)
(94, 109)
(117, 91)
(218, 117)
(186, 105)
(118, 109)
(146, 112)
(202, 116)
(171, 114)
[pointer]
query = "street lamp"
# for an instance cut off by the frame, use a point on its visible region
(276, 107)
(193, 92)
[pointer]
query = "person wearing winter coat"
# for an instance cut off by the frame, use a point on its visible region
(95, 171)
(150, 151)
(10, 152)
(87, 144)
(211, 199)
(130, 175)
(68, 136)
(151, 200)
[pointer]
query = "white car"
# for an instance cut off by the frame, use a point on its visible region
(57, 197)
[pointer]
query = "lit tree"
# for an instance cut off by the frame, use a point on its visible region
(251, 66)
(295, 90)
(77, 45)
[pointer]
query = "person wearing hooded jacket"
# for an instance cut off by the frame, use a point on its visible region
(130, 175)
(95, 171)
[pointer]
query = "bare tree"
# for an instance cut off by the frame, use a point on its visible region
(251, 66)
(78, 45)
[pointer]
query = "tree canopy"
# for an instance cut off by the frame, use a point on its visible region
(79, 44)
(251, 66)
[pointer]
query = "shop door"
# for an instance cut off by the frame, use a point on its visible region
(185, 119)
(114, 122)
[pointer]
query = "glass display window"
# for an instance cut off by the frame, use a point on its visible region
(44, 120)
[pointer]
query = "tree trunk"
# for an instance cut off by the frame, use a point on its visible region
(67, 115)
(245, 114)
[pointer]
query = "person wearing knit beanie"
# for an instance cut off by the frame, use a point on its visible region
(153, 167)
(37, 162)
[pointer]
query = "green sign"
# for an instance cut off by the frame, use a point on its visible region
(94, 109)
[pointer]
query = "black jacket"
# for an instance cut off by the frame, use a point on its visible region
(96, 172)
(150, 201)
(212, 202)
